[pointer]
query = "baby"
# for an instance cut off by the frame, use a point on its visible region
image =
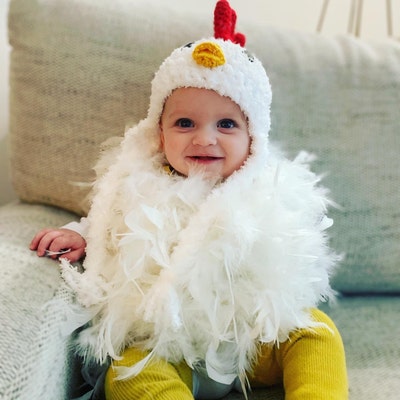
(205, 249)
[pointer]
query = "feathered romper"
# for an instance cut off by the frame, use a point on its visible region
(196, 270)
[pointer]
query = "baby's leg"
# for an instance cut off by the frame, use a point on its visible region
(311, 363)
(158, 380)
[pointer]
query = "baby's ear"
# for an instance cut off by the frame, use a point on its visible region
(161, 136)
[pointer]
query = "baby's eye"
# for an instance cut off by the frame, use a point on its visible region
(226, 124)
(184, 123)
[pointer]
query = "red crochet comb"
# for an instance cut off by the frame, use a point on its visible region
(224, 23)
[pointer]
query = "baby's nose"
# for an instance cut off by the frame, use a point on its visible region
(205, 137)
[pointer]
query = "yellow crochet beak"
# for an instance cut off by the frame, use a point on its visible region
(208, 55)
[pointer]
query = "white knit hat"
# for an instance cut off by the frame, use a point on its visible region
(221, 64)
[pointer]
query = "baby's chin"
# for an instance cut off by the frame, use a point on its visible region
(205, 173)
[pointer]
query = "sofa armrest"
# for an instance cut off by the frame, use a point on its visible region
(35, 360)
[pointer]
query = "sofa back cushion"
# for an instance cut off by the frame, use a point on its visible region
(81, 72)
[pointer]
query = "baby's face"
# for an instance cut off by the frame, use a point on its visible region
(201, 130)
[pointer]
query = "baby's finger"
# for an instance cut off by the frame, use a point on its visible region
(58, 246)
(47, 243)
(56, 253)
(37, 238)
(73, 256)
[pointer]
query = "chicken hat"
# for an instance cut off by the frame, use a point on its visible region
(221, 64)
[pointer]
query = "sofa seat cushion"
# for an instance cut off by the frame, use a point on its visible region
(370, 329)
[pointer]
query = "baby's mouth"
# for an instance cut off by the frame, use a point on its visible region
(204, 158)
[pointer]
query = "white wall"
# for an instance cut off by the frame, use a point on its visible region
(304, 14)
(295, 14)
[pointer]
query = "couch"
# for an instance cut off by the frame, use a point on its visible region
(80, 73)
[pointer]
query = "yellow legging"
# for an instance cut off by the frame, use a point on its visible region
(310, 365)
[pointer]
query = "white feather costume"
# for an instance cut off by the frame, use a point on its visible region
(196, 270)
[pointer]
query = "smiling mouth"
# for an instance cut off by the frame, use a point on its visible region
(205, 158)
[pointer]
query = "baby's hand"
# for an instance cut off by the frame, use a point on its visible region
(59, 243)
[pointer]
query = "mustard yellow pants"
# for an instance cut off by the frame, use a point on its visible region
(310, 365)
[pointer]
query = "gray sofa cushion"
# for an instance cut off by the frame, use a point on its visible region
(369, 327)
(339, 98)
